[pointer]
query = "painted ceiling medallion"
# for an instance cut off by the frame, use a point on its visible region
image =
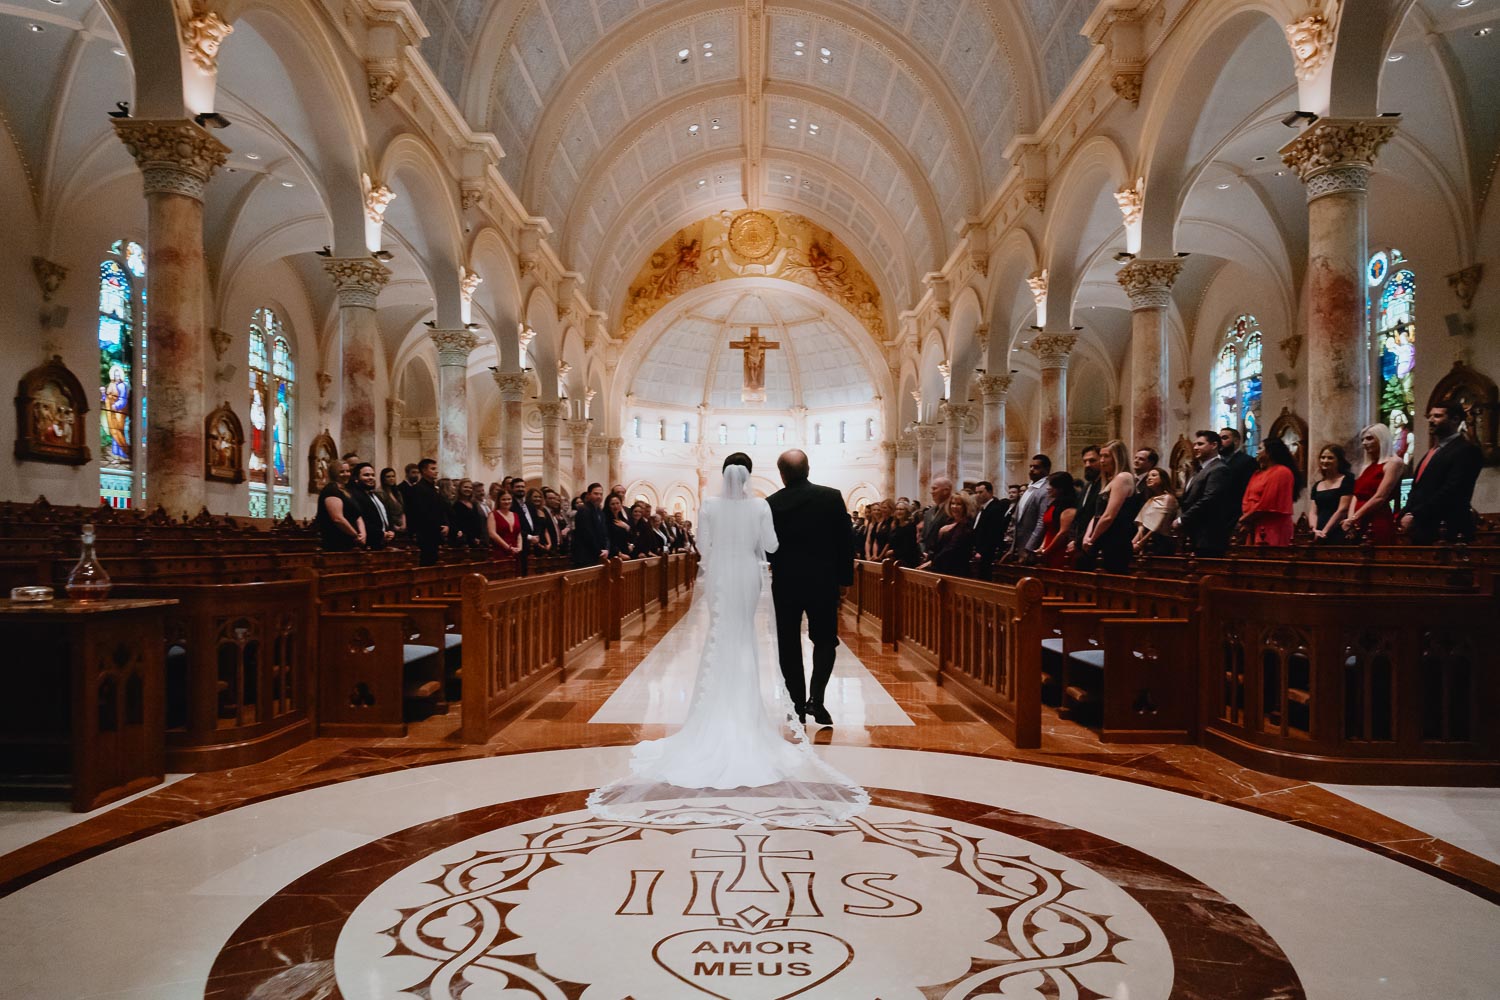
(752, 235)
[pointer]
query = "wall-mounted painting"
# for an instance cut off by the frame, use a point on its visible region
(50, 409)
(224, 447)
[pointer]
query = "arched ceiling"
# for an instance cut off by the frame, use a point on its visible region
(691, 362)
(600, 104)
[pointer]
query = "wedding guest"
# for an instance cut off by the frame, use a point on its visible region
(505, 530)
(394, 499)
(1088, 506)
(426, 514)
(546, 526)
(904, 547)
(466, 525)
(644, 541)
(528, 522)
(1156, 530)
(1008, 522)
(1332, 495)
(1442, 488)
(618, 525)
(989, 527)
(1378, 483)
(377, 523)
(1057, 522)
(1239, 465)
(338, 519)
(482, 501)
(1027, 528)
(1271, 496)
(1142, 462)
(590, 534)
(1208, 512)
(935, 516)
(953, 546)
(878, 538)
(1110, 534)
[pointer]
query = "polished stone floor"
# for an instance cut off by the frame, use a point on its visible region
(421, 867)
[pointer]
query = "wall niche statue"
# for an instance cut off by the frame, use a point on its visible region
(224, 447)
(1292, 430)
(1182, 463)
(50, 409)
(322, 458)
(1481, 402)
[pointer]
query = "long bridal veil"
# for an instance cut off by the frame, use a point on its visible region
(741, 747)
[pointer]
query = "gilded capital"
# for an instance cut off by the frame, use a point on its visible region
(176, 156)
(1148, 283)
(1335, 154)
(358, 279)
(454, 346)
(994, 388)
(1054, 349)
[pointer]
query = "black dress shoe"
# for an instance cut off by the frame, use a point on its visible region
(820, 714)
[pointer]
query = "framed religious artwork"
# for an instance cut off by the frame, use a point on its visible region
(322, 456)
(1481, 402)
(1292, 430)
(50, 410)
(224, 447)
(1182, 463)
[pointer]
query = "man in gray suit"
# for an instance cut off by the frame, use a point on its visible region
(936, 515)
(1029, 528)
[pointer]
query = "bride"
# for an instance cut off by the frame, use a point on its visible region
(741, 744)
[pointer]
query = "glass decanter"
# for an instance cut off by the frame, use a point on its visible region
(88, 581)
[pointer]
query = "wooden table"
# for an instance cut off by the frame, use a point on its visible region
(82, 709)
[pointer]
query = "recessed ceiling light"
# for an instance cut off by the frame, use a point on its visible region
(786, 177)
(708, 55)
(682, 55)
(287, 184)
(792, 120)
(57, 3)
(252, 156)
(1395, 57)
(1464, 3)
(719, 178)
(36, 29)
(1281, 173)
(1259, 159)
(118, 51)
(703, 182)
(1484, 32)
(800, 44)
(1222, 187)
(693, 128)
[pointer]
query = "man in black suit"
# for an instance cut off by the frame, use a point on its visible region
(426, 513)
(590, 543)
(815, 559)
(1088, 506)
(1210, 509)
(1240, 465)
(989, 527)
(363, 484)
(1442, 487)
(528, 516)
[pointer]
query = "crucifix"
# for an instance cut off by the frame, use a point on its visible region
(755, 364)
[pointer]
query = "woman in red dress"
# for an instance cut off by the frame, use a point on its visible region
(1057, 521)
(1270, 497)
(505, 529)
(1377, 484)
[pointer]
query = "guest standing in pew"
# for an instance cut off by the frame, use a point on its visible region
(339, 524)
(989, 528)
(1378, 483)
(1156, 530)
(617, 523)
(935, 516)
(1110, 535)
(1442, 489)
(1208, 508)
(363, 487)
(546, 526)
(528, 523)
(1027, 528)
(1240, 465)
(466, 524)
(504, 529)
(878, 538)
(394, 499)
(904, 547)
(1332, 495)
(1088, 508)
(426, 513)
(590, 545)
(1142, 462)
(953, 548)
(1057, 522)
(1271, 497)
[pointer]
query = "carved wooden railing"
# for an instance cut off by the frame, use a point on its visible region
(871, 597)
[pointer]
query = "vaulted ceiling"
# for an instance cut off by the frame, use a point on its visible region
(885, 120)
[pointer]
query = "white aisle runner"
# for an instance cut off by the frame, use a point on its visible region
(658, 689)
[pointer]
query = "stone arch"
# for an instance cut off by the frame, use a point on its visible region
(1086, 215)
(425, 216)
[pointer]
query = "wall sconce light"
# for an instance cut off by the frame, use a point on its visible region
(211, 119)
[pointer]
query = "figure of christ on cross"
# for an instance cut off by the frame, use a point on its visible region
(755, 363)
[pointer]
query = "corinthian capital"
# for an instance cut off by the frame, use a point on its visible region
(550, 412)
(1148, 283)
(993, 388)
(176, 156)
(358, 279)
(1335, 154)
(1054, 349)
(454, 346)
(512, 385)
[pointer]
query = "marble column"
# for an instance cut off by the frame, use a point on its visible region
(616, 466)
(1148, 283)
(888, 479)
(578, 438)
(176, 158)
(925, 434)
(395, 409)
(1333, 157)
(906, 452)
(1053, 351)
(358, 281)
(993, 390)
(512, 386)
(454, 348)
(954, 415)
(551, 414)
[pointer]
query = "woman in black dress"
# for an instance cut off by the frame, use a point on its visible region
(904, 548)
(954, 551)
(339, 524)
(1332, 495)
(619, 528)
(878, 538)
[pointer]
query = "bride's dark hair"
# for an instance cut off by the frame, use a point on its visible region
(739, 458)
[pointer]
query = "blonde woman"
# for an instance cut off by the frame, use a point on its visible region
(1108, 538)
(954, 548)
(1378, 483)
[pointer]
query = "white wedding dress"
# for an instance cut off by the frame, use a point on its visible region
(738, 748)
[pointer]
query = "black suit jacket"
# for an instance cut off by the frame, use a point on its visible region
(1241, 468)
(374, 530)
(1445, 490)
(1210, 509)
(817, 549)
(646, 541)
(989, 530)
(589, 536)
(426, 513)
(1088, 506)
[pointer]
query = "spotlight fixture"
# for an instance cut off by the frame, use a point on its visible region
(288, 184)
(1123, 256)
(471, 326)
(1222, 186)
(383, 255)
(252, 156)
(122, 110)
(211, 119)
(36, 29)
(1292, 119)
(682, 55)
(431, 324)
(1484, 32)
(327, 251)
(1395, 57)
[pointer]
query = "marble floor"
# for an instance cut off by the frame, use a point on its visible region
(424, 868)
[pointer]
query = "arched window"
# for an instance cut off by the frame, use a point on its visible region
(1237, 382)
(870, 429)
(122, 353)
(843, 432)
(754, 434)
(1396, 345)
(635, 426)
(661, 429)
(817, 433)
(723, 433)
(273, 379)
(781, 433)
(685, 432)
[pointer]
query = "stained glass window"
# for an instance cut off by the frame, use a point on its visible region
(1396, 340)
(1237, 382)
(273, 380)
(122, 301)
